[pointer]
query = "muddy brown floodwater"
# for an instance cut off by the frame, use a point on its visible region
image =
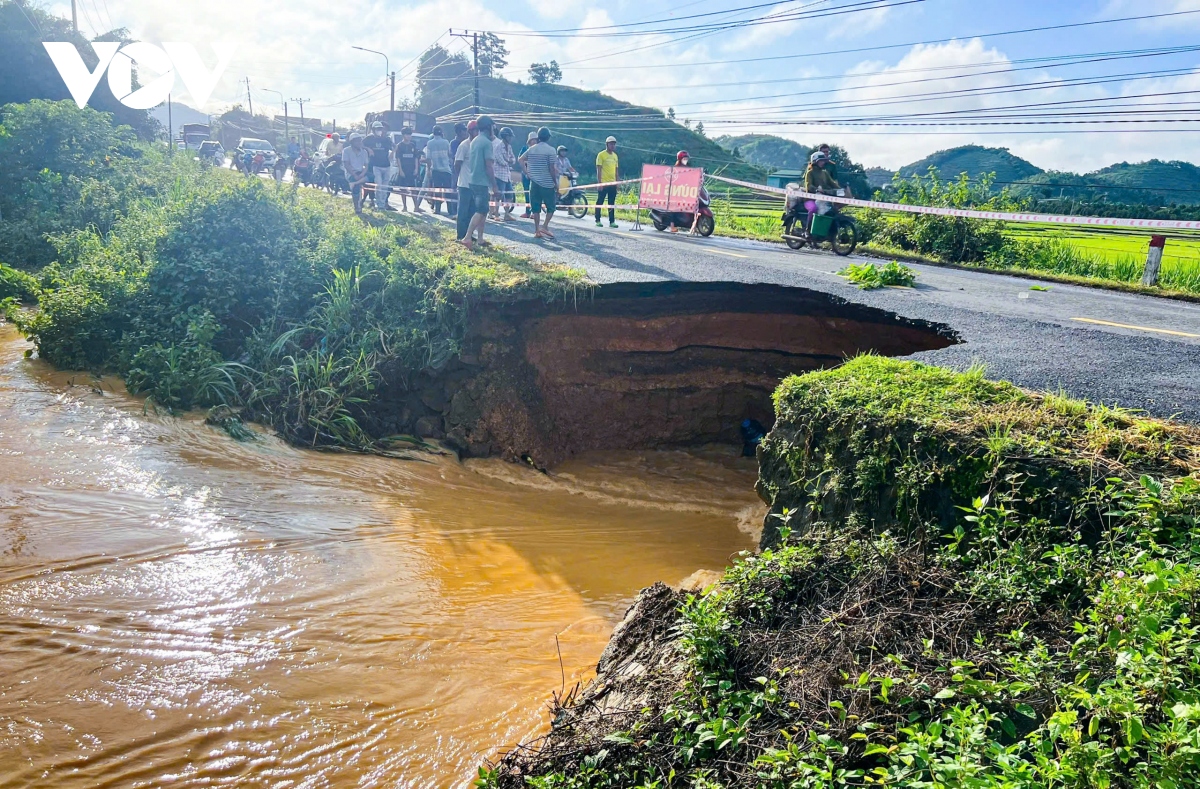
(177, 608)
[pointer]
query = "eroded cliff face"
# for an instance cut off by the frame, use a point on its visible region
(642, 365)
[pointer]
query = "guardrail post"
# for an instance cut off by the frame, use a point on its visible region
(1153, 260)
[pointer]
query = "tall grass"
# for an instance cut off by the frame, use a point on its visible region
(1056, 256)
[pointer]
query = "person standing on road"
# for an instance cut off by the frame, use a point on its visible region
(380, 148)
(540, 163)
(356, 161)
(407, 160)
(530, 141)
(505, 160)
(482, 166)
(460, 135)
(607, 170)
(462, 178)
(441, 174)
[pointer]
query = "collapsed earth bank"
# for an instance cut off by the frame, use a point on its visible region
(635, 366)
(962, 583)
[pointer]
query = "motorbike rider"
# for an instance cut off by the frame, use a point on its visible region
(681, 160)
(818, 180)
(566, 173)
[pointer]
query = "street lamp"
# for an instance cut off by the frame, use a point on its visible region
(286, 133)
(387, 70)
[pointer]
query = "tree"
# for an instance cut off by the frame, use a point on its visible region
(543, 73)
(492, 54)
(700, 128)
(671, 113)
(26, 71)
(436, 66)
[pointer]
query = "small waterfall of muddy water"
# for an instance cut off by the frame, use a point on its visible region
(180, 609)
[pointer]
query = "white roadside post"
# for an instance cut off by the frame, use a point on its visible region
(1153, 260)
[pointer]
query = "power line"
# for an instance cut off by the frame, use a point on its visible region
(882, 47)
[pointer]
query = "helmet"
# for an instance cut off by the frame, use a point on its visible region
(472, 125)
(506, 132)
(562, 149)
(355, 136)
(679, 157)
(817, 156)
(336, 137)
(610, 139)
(376, 125)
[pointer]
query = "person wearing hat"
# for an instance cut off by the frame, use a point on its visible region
(356, 161)
(530, 141)
(407, 162)
(608, 169)
(381, 163)
(505, 160)
(462, 180)
(482, 166)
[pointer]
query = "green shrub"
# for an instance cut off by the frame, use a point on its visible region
(869, 276)
(18, 285)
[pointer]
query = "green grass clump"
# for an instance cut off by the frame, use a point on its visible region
(203, 288)
(869, 276)
(966, 585)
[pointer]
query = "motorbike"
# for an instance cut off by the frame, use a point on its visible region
(704, 225)
(305, 171)
(572, 198)
(333, 177)
(832, 226)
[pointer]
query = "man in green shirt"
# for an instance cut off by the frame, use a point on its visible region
(482, 179)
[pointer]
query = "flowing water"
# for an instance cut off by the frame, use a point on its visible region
(178, 608)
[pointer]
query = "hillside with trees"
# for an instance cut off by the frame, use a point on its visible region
(1152, 183)
(768, 151)
(975, 161)
(579, 119)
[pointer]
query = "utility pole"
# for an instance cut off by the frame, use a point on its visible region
(74, 18)
(475, 48)
(170, 129)
(304, 137)
(249, 100)
(387, 70)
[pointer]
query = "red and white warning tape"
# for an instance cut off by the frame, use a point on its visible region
(1005, 216)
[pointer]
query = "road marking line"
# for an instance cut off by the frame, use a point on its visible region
(1136, 328)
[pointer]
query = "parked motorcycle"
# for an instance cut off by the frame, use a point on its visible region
(832, 226)
(704, 226)
(571, 198)
(333, 177)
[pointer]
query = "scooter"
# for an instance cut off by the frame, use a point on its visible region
(832, 226)
(704, 225)
(573, 199)
(333, 177)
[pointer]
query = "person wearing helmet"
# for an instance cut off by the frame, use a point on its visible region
(608, 169)
(356, 161)
(681, 159)
(505, 160)
(407, 162)
(564, 163)
(819, 180)
(331, 147)
(380, 148)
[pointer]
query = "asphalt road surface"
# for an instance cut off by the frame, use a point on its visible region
(1107, 347)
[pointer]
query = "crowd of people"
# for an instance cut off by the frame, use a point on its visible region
(474, 174)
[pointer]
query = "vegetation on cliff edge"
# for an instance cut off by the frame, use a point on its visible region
(964, 584)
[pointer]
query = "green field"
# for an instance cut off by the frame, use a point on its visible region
(1116, 256)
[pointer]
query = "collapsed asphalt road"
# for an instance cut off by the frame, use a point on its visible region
(1107, 347)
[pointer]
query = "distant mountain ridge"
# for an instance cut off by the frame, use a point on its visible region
(767, 150)
(975, 161)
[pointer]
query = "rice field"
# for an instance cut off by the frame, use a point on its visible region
(1118, 256)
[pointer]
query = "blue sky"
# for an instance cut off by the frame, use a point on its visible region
(303, 48)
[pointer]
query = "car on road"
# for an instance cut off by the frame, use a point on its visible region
(257, 146)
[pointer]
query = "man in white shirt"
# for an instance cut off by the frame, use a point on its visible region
(462, 178)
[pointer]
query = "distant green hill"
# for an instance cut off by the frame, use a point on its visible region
(577, 119)
(975, 160)
(1149, 183)
(879, 177)
(768, 151)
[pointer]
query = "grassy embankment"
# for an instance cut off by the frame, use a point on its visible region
(203, 288)
(966, 585)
